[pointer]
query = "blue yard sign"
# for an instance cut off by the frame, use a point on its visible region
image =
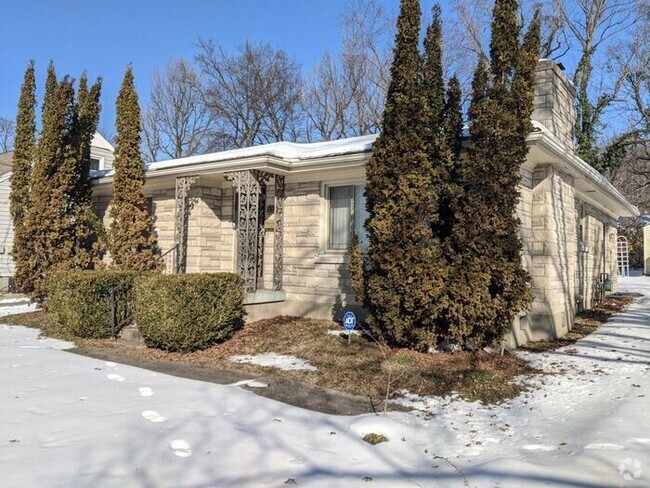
(349, 321)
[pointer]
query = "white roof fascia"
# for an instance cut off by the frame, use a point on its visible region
(583, 170)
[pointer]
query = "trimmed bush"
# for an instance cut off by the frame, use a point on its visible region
(188, 312)
(79, 301)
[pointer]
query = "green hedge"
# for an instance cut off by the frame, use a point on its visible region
(188, 312)
(79, 301)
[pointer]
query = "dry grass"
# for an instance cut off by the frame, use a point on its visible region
(585, 323)
(360, 368)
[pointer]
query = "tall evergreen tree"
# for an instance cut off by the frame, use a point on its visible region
(21, 167)
(432, 73)
(469, 304)
(133, 243)
(86, 117)
(405, 276)
(48, 221)
(433, 85)
(490, 285)
(58, 227)
(449, 154)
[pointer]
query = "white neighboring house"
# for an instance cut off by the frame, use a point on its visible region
(101, 157)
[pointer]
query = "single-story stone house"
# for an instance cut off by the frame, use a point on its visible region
(281, 215)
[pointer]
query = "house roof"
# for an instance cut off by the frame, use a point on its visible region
(5, 161)
(287, 157)
(100, 141)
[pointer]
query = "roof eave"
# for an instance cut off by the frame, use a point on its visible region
(580, 169)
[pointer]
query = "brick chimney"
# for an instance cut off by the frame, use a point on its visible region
(555, 101)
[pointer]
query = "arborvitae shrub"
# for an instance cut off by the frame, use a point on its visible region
(79, 301)
(21, 167)
(404, 285)
(133, 243)
(187, 312)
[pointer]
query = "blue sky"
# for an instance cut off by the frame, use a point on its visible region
(103, 36)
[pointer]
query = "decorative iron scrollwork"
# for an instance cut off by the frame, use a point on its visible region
(184, 206)
(250, 186)
(278, 233)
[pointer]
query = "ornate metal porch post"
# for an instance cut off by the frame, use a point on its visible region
(183, 208)
(278, 245)
(251, 188)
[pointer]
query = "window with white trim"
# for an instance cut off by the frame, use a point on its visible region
(96, 164)
(347, 214)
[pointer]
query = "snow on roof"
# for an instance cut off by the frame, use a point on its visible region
(289, 151)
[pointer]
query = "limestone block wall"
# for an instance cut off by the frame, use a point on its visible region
(210, 233)
(317, 283)
(553, 256)
(598, 246)
(525, 215)
(554, 101)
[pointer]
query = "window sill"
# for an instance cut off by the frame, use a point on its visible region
(332, 257)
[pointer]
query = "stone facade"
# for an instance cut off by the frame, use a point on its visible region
(554, 101)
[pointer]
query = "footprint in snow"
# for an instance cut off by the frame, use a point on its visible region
(145, 391)
(641, 440)
(604, 446)
(115, 377)
(180, 448)
(153, 416)
(540, 447)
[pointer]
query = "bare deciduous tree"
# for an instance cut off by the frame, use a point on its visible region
(631, 174)
(176, 123)
(592, 24)
(253, 94)
(346, 94)
(7, 129)
(467, 33)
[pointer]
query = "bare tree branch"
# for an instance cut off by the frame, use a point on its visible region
(7, 129)
(253, 95)
(176, 121)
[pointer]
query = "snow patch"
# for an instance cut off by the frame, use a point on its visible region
(153, 416)
(250, 384)
(115, 377)
(273, 360)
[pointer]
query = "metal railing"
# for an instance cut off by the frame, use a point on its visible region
(122, 293)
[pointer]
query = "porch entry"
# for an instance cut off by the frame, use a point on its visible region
(250, 188)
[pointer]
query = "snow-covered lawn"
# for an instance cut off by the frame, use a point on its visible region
(68, 420)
